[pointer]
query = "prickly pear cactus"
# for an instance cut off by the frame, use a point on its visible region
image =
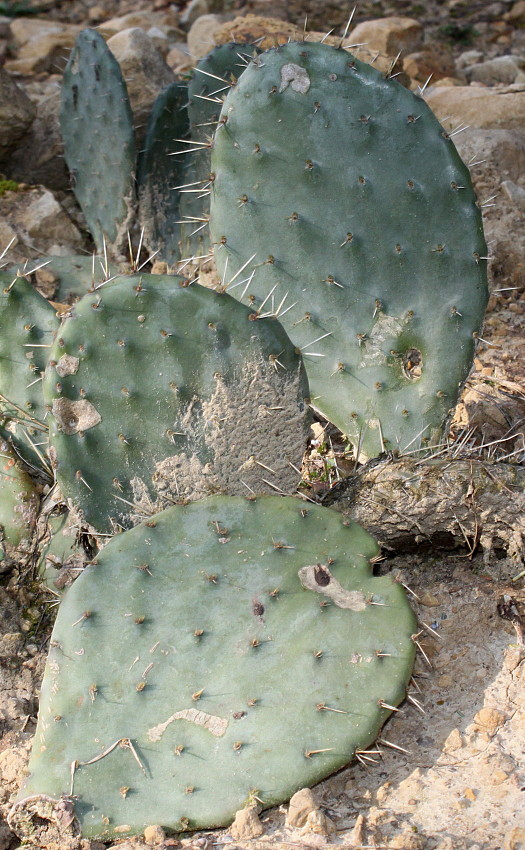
(160, 171)
(160, 391)
(212, 78)
(19, 504)
(359, 210)
(99, 142)
(65, 279)
(248, 652)
(27, 327)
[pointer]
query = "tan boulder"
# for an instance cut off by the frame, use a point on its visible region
(44, 53)
(433, 62)
(24, 29)
(301, 805)
(494, 108)
(389, 35)
(144, 20)
(144, 69)
(516, 15)
(201, 37)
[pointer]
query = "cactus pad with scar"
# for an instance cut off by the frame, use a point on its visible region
(160, 391)
(359, 209)
(226, 651)
(99, 142)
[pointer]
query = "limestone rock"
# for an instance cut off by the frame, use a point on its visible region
(142, 19)
(483, 108)
(24, 29)
(515, 840)
(501, 70)
(17, 112)
(195, 9)
(143, 68)
(46, 51)
(178, 58)
(318, 823)
(201, 37)
(301, 804)
(516, 15)
(489, 720)
(430, 62)
(389, 35)
(246, 824)
(39, 222)
(154, 835)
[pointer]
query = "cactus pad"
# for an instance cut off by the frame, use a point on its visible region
(248, 652)
(27, 326)
(212, 77)
(359, 209)
(65, 279)
(19, 504)
(99, 142)
(161, 169)
(161, 391)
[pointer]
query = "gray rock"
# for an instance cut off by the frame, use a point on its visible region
(515, 193)
(501, 158)
(501, 70)
(38, 157)
(17, 112)
(194, 10)
(469, 57)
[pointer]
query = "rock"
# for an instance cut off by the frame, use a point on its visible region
(24, 29)
(38, 157)
(389, 35)
(501, 70)
(431, 62)
(159, 39)
(195, 9)
(246, 824)
(407, 840)
(429, 600)
(201, 37)
(17, 112)
(478, 107)
(154, 835)
(301, 804)
(178, 58)
(142, 19)
(469, 57)
(357, 837)
(6, 837)
(489, 720)
(516, 15)
(319, 823)
(39, 222)
(145, 72)
(45, 52)
(515, 840)
(501, 158)
(515, 193)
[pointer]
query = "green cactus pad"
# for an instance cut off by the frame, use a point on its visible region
(27, 327)
(212, 78)
(99, 142)
(248, 652)
(65, 279)
(61, 554)
(19, 504)
(360, 211)
(160, 171)
(161, 391)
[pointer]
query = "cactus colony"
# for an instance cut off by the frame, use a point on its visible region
(230, 649)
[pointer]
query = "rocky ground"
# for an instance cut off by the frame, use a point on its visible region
(450, 773)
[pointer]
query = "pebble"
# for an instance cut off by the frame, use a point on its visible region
(246, 824)
(154, 834)
(319, 823)
(301, 804)
(489, 719)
